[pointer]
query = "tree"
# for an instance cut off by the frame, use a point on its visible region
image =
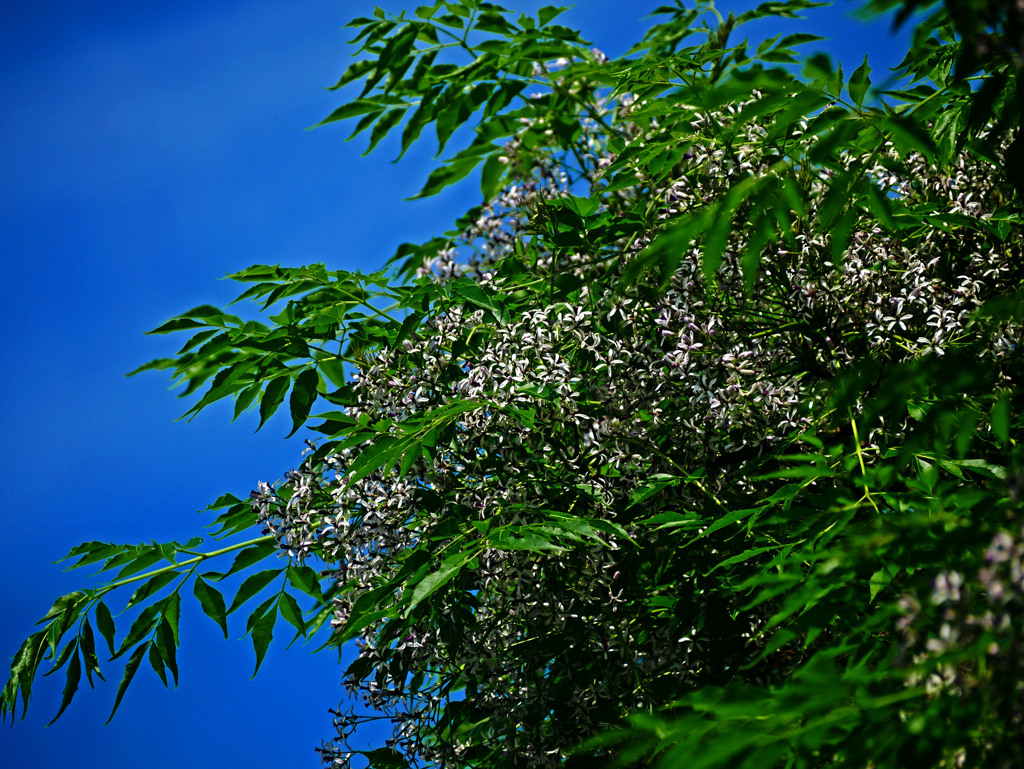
(686, 445)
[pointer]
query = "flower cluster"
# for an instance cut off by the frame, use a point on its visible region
(589, 418)
(967, 637)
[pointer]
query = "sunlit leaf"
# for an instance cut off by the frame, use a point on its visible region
(252, 585)
(212, 603)
(74, 676)
(262, 635)
(129, 673)
(859, 83)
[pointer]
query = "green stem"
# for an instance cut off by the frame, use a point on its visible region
(198, 559)
(860, 460)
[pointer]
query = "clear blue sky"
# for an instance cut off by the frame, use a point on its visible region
(148, 149)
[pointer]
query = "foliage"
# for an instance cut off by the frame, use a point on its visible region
(684, 447)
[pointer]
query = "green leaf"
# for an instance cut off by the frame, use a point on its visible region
(64, 608)
(880, 206)
(410, 326)
(491, 176)
(87, 642)
(214, 316)
(860, 83)
(303, 394)
(90, 552)
(726, 520)
(409, 458)
(65, 654)
(435, 580)
(126, 678)
(383, 126)
(818, 69)
(291, 611)
(179, 324)
(238, 518)
(150, 586)
(355, 71)
(798, 106)
(908, 135)
(172, 612)
(142, 626)
(1000, 416)
(722, 226)
(245, 559)
(272, 398)
(878, 580)
(452, 110)
(382, 454)
(252, 585)
(652, 487)
(480, 296)
(303, 578)
(741, 557)
(354, 109)
(356, 622)
(257, 613)
(105, 624)
(549, 12)
(445, 176)
(979, 466)
(167, 641)
(532, 539)
(147, 556)
(224, 384)
(423, 114)
(23, 670)
(840, 233)
(245, 399)
(74, 676)
(157, 663)
(799, 38)
(212, 603)
(224, 500)
(159, 364)
(262, 635)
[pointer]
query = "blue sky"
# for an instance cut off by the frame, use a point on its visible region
(149, 149)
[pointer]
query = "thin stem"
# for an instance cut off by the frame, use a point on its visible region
(860, 460)
(198, 559)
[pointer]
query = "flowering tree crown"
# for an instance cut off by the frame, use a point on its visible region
(685, 445)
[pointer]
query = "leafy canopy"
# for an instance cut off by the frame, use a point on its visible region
(697, 442)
